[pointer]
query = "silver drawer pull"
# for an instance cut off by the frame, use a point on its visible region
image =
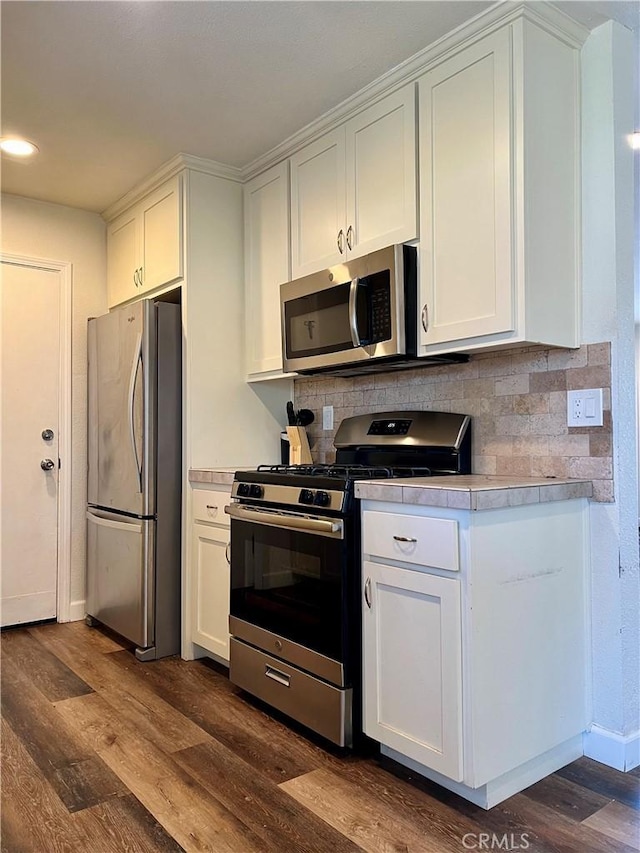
(212, 506)
(276, 675)
(405, 539)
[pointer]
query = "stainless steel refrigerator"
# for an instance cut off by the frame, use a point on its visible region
(134, 475)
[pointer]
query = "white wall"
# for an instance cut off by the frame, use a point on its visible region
(57, 233)
(608, 98)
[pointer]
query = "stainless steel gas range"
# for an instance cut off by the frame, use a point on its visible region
(295, 564)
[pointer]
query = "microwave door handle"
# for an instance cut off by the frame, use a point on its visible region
(353, 312)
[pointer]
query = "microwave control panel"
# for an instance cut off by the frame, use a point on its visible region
(380, 302)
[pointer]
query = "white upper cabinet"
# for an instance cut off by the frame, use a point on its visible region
(266, 234)
(381, 186)
(144, 244)
(123, 258)
(354, 190)
(318, 205)
(499, 218)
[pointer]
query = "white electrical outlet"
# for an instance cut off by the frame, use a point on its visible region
(584, 408)
(327, 417)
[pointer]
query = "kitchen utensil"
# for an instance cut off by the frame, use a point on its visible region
(304, 417)
(291, 415)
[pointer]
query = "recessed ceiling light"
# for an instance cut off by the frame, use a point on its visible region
(17, 147)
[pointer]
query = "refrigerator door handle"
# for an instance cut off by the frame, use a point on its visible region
(131, 527)
(137, 359)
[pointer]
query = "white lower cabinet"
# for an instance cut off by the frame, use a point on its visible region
(474, 641)
(210, 572)
(411, 655)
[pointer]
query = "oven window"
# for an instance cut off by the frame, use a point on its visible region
(290, 583)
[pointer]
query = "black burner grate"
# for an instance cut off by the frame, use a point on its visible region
(348, 472)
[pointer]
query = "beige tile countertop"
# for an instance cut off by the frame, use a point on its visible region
(216, 476)
(473, 491)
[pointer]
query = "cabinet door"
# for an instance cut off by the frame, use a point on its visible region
(381, 174)
(465, 199)
(210, 589)
(161, 232)
(122, 258)
(412, 665)
(318, 205)
(266, 234)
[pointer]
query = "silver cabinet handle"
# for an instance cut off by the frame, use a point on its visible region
(227, 553)
(341, 241)
(425, 317)
(350, 237)
(141, 275)
(135, 278)
(47, 435)
(212, 506)
(405, 539)
(367, 592)
(47, 464)
(276, 675)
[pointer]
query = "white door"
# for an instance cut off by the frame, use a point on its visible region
(382, 204)
(266, 235)
(318, 237)
(30, 378)
(412, 665)
(211, 589)
(465, 194)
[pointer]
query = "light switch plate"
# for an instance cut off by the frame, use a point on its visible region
(327, 417)
(584, 408)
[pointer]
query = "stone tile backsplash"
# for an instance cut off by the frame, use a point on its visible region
(518, 401)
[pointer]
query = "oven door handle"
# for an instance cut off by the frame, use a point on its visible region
(285, 520)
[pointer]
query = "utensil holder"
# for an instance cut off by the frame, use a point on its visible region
(299, 453)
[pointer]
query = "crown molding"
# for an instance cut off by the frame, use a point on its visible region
(539, 12)
(503, 12)
(168, 170)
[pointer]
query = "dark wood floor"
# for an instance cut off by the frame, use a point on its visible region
(102, 753)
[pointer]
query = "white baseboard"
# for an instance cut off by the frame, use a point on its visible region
(613, 749)
(77, 610)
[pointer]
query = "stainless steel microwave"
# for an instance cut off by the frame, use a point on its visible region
(352, 313)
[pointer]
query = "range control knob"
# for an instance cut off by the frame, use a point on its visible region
(305, 496)
(243, 490)
(322, 499)
(255, 491)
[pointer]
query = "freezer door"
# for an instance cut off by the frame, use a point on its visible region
(121, 409)
(120, 575)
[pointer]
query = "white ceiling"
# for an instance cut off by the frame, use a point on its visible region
(111, 90)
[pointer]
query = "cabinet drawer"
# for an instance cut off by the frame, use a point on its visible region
(208, 506)
(429, 542)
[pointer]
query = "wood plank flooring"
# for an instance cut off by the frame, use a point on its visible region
(102, 753)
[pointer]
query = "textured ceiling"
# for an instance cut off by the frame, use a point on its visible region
(110, 90)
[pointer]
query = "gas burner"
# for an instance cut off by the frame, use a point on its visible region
(348, 472)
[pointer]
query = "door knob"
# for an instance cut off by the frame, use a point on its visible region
(47, 434)
(47, 464)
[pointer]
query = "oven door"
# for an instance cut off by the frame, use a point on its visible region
(288, 578)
